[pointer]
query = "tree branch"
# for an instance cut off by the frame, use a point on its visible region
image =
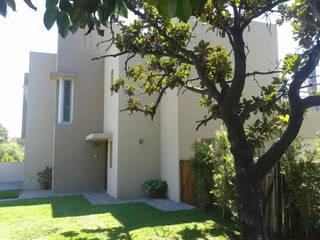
(311, 101)
(263, 10)
(297, 107)
(263, 73)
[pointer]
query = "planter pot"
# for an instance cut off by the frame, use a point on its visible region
(157, 194)
(44, 185)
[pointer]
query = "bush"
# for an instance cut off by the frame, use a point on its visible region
(224, 176)
(301, 190)
(45, 178)
(214, 174)
(155, 188)
(11, 152)
(202, 170)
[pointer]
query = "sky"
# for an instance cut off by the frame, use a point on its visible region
(22, 32)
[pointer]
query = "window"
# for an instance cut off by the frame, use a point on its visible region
(110, 154)
(111, 79)
(65, 101)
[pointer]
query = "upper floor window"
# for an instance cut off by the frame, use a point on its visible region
(65, 101)
(111, 79)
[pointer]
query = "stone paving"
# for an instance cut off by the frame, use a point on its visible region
(161, 204)
(102, 198)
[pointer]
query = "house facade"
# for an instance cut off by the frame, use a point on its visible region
(73, 121)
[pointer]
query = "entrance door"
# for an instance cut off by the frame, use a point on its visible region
(106, 166)
(186, 183)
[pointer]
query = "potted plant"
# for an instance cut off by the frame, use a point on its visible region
(155, 188)
(45, 178)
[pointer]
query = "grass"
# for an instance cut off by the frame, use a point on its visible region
(9, 194)
(75, 218)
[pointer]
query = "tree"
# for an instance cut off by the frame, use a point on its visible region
(3, 134)
(11, 152)
(70, 15)
(164, 43)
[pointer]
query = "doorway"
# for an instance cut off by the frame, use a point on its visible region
(108, 162)
(105, 173)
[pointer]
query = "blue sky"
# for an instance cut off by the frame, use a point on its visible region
(22, 32)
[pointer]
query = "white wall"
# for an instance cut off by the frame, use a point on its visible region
(111, 122)
(40, 117)
(137, 161)
(78, 164)
(263, 56)
(170, 144)
(11, 172)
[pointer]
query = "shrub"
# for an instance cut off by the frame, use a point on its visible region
(214, 174)
(224, 176)
(202, 170)
(301, 189)
(11, 152)
(155, 188)
(45, 178)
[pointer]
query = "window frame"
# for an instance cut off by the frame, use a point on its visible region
(61, 101)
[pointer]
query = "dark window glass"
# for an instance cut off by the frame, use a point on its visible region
(66, 117)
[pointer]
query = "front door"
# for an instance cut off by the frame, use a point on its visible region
(106, 166)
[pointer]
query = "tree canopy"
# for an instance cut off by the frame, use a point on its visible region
(3, 134)
(70, 15)
(275, 114)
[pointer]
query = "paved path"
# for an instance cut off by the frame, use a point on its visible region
(11, 186)
(161, 204)
(105, 199)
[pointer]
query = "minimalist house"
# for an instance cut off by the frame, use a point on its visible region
(72, 120)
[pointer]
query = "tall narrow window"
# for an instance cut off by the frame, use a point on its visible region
(110, 154)
(65, 101)
(111, 79)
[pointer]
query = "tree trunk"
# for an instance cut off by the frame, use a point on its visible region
(250, 210)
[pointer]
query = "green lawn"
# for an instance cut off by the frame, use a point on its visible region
(8, 194)
(75, 218)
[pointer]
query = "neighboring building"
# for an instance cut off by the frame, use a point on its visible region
(73, 123)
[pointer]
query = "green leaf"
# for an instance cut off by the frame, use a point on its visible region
(107, 9)
(122, 8)
(90, 25)
(30, 4)
(12, 4)
(184, 10)
(154, 2)
(50, 16)
(65, 5)
(168, 8)
(75, 26)
(63, 24)
(51, 4)
(3, 8)
(197, 4)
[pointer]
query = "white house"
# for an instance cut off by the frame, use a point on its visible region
(73, 121)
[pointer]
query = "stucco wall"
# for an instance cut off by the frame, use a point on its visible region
(78, 164)
(40, 117)
(169, 135)
(263, 56)
(11, 172)
(138, 148)
(311, 124)
(111, 122)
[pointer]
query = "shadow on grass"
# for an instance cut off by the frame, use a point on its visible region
(131, 216)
